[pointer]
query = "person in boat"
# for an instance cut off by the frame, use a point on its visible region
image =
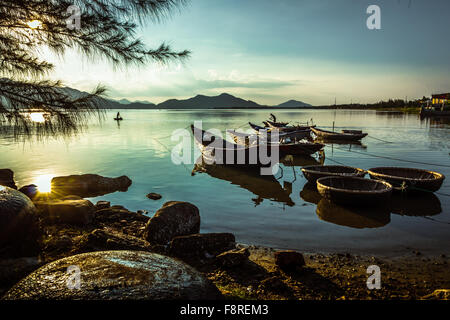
(118, 116)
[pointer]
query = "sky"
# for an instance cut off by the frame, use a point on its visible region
(270, 51)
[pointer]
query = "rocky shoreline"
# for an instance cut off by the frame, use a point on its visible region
(121, 253)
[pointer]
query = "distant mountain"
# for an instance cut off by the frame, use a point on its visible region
(292, 104)
(222, 101)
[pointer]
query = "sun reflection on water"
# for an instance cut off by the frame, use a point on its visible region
(44, 182)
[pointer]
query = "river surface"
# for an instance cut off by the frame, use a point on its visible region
(279, 211)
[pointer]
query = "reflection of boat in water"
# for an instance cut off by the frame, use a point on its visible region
(350, 143)
(300, 160)
(263, 186)
(423, 204)
(353, 217)
(310, 193)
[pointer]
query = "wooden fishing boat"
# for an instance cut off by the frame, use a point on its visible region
(331, 135)
(312, 173)
(354, 191)
(118, 119)
(246, 138)
(284, 148)
(276, 124)
(287, 128)
(216, 150)
(256, 127)
(409, 179)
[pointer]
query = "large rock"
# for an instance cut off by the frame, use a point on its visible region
(89, 185)
(108, 239)
(111, 275)
(201, 245)
(7, 178)
(174, 219)
(19, 225)
(70, 210)
(233, 258)
(289, 260)
(119, 218)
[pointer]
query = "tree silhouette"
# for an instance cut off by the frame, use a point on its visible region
(106, 30)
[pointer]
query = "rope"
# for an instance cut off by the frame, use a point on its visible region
(170, 135)
(396, 159)
(369, 136)
(165, 147)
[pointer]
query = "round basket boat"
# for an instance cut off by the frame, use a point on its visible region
(354, 191)
(312, 173)
(409, 178)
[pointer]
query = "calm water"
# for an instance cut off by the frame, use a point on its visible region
(276, 211)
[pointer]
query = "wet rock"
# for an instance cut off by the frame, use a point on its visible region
(19, 224)
(120, 218)
(440, 294)
(200, 245)
(154, 196)
(111, 275)
(71, 210)
(7, 178)
(30, 190)
(289, 260)
(13, 270)
(233, 258)
(102, 205)
(108, 239)
(89, 185)
(175, 218)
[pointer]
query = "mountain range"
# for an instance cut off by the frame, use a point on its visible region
(222, 101)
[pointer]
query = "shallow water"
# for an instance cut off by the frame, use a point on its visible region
(275, 211)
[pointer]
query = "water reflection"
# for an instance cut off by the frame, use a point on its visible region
(310, 193)
(353, 217)
(342, 143)
(264, 187)
(300, 161)
(426, 204)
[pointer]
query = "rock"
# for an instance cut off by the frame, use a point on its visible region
(198, 245)
(30, 190)
(174, 219)
(7, 178)
(13, 270)
(102, 205)
(154, 196)
(19, 224)
(114, 275)
(440, 294)
(89, 185)
(66, 211)
(120, 218)
(289, 260)
(108, 239)
(233, 258)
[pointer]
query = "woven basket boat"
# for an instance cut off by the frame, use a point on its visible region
(409, 179)
(312, 173)
(354, 191)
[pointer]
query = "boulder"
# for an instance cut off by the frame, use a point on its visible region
(114, 275)
(30, 190)
(289, 260)
(7, 178)
(154, 196)
(19, 224)
(174, 219)
(201, 245)
(108, 239)
(13, 270)
(102, 205)
(233, 258)
(71, 210)
(89, 185)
